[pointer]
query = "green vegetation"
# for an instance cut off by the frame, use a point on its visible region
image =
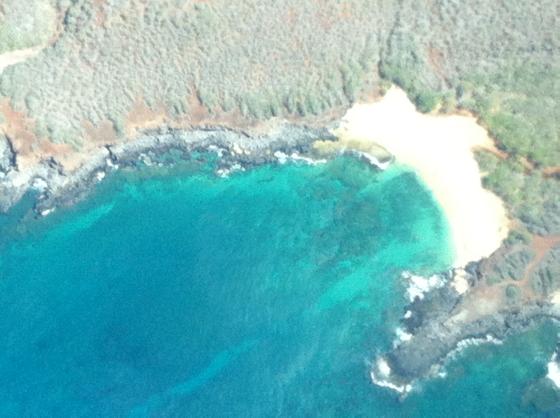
(513, 294)
(518, 236)
(520, 107)
(261, 58)
(25, 23)
(513, 265)
(531, 196)
(406, 65)
(273, 58)
(426, 101)
(500, 60)
(546, 279)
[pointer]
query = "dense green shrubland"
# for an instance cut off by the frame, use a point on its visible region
(521, 108)
(25, 23)
(546, 279)
(531, 197)
(269, 58)
(513, 294)
(263, 58)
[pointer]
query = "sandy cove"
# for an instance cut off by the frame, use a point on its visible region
(439, 148)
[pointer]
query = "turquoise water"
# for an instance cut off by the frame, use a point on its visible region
(265, 294)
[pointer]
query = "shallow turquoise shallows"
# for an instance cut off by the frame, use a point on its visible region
(264, 294)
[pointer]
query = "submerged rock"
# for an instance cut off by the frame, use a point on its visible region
(542, 395)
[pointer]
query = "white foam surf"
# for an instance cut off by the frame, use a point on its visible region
(283, 158)
(380, 376)
(553, 371)
(418, 286)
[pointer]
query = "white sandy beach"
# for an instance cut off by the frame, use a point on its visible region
(20, 55)
(439, 148)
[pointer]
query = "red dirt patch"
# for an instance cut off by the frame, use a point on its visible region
(485, 298)
(551, 171)
(103, 133)
(31, 149)
(141, 117)
(436, 58)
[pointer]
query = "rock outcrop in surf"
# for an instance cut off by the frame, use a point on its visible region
(443, 322)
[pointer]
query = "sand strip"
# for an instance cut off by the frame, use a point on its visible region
(19, 55)
(439, 148)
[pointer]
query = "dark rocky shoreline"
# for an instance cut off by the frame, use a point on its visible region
(238, 149)
(436, 332)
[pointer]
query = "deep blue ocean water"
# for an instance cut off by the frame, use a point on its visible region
(265, 294)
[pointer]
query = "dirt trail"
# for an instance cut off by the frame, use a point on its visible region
(487, 298)
(541, 245)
